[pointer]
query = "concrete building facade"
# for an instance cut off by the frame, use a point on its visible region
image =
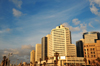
(37, 52)
(49, 46)
(91, 37)
(32, 57)
(61, 41)
(92, 51)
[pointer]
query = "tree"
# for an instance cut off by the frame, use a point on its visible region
(93, 62)
(44, 63)
(98, 60)
(85, 61)
(46, 58)
(35, 63)
(4, 61)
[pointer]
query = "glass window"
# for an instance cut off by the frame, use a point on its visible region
(91, 52)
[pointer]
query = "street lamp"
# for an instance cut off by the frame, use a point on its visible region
(56, 54)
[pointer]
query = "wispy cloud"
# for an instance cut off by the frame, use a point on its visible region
(22, 53)
(18, 3)
(71, 28)
(16, 13)
(93, 8)
(76, 21)
(5, 30)
(90, 25)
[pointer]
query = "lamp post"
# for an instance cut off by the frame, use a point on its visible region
(56, 55)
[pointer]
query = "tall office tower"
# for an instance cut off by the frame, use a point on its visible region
(44, 48)
(79, 47)
(61, 41)
(91, 37)
(37, 52)
(32, 57)
(49, 46)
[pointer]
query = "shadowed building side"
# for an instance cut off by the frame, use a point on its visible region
(79, 47)
(44, 48)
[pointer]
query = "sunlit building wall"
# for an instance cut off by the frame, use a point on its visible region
(32, 57)
(49, 46)
(91, 37)
(92, 51)
(61, 41)
(37, 52)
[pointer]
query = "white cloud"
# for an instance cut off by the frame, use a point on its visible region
(18, 53)
(93, 8)
(16, 13)
(95, 1)
(91, 25)
(76, 21)
(71, 28)
(18, 3)
(83, 27)
(27, 47)
(97, 20)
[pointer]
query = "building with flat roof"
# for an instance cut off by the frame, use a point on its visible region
(49, 46)
(91, 37)
(79, 48)
(44, 48)
(61, 41)
(37, 52)
(92, 51)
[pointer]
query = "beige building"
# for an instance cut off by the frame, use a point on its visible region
(32, 57)
(92, 51)
(49, 46)
(63, 60)
(37, 52)
(61, 42)
(91, 37)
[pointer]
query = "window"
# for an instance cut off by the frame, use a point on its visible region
(94, 55)
(91, 55)
(93, 48)
(87, 49)
(91, 52)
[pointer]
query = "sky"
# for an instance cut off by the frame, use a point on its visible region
(24, 22)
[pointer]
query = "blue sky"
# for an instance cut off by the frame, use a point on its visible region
(24, 22)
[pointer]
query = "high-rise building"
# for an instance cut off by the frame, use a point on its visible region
(49, 46)
(79, 47)
(44, 48)
(91, 37)
(61, 41)
(32, 57)
(37, 52)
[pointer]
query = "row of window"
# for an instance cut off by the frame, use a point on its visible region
(88, 45)
(90, 56)
(91, 49)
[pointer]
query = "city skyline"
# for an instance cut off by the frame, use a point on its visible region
(24, 23)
